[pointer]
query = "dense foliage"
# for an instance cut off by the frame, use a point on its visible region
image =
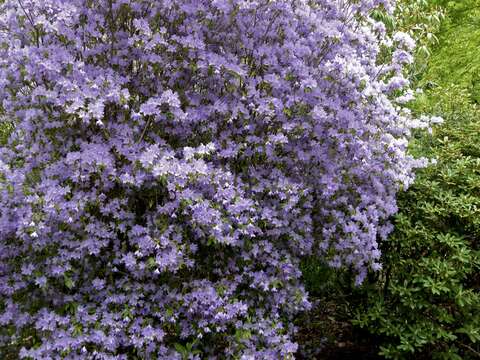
(171, 162)
(430, 295)
(430, 289)
(424, 303)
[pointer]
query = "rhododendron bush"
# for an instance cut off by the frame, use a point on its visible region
(171, 162)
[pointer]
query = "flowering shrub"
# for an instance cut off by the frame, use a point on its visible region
(171, 162)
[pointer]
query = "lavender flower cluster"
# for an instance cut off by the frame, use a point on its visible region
(172, 161)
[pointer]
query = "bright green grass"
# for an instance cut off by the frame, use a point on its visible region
(452, 77)
(456, 59)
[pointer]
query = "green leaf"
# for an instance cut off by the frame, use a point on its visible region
(68, 282)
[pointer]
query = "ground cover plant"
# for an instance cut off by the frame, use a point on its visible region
(169, 163)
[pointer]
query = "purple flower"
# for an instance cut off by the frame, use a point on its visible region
(170, 176)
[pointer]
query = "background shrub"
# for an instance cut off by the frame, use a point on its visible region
(421, 19)
(429, 292)
(424, 302)
(428, 295)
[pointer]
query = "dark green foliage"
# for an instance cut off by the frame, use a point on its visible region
(428, 298)
(425, 302)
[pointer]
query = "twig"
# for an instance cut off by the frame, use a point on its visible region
(144, 130)
(469, 348)
(30, 19)
(26, 13)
